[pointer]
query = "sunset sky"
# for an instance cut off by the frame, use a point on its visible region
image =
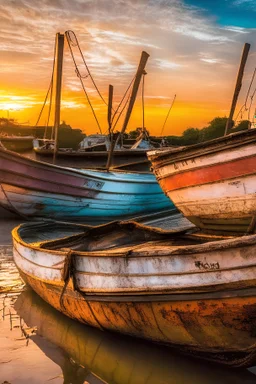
(194, 47)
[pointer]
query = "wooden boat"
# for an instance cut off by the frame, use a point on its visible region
(95, 157)
(88, 353)
(17, 143)
(94, 152)
(35, 189)
(170, 287)
(213, 183)
(89, 148)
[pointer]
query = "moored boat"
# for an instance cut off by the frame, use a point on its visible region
(86, 353)
(170, 287)
(94, 156)
(36, 189)
(213, 183)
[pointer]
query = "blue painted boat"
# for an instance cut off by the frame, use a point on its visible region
(35, 189)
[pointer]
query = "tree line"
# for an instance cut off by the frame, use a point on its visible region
(215, 129)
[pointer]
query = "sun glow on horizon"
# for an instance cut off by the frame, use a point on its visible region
(191, 55)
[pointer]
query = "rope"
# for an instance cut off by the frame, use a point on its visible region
(46, 97)
(244, 107)
(251, 97)
(72, 40)
(249, 109)
(80, 78)
(121, 102)
(168, 115)
(66, 274)
(50, 105)
(120, 114)
(45, 100)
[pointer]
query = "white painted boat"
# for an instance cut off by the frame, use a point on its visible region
(167, 286)
(213, 183)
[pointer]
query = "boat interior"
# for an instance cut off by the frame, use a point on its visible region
(120, 237)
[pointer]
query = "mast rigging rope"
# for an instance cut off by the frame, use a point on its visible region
(46, 97)
(72, 40)
(244, 107)
(67, 33)
(168, 115)
(119, 105)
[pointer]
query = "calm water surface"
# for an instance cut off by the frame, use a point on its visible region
(40, 345)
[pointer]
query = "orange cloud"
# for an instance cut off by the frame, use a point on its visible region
(189, 55)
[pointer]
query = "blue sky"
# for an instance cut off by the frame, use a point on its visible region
(238, 13)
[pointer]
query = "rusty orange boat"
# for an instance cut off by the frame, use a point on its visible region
(194, 293)
(213, 183)
(88, 354)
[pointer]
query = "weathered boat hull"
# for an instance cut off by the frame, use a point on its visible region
(220, 329)
(199, 298)
(213, 184)
(107, 355)
(31, 188)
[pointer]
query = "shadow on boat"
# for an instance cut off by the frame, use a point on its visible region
(85, 353)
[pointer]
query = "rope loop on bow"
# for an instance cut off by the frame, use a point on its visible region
(67, 273)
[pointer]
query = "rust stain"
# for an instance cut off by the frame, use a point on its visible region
(209, 326)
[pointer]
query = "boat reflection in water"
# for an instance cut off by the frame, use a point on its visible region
(90, 355)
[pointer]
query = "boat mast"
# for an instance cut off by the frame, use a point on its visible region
(237, 87)
(59, 64)
(140, 72)
(136, 84)
(110, 103)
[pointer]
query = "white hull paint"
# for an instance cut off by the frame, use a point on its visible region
(148, 268)
(213, 184)
(147, 283)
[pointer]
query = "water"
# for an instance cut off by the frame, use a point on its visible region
(39, 345)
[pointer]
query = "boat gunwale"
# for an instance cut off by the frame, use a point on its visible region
(168, 156)
(59, 267)
(231, 242)
(81, 172)
(80, 188)
(202, 167)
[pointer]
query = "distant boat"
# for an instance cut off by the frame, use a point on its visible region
(17, 143)
(184, 290)
(83, 351)
(94, 150)
(34, 189)
(213, 183)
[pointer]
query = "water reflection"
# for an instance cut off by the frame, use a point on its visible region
(87, 355)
